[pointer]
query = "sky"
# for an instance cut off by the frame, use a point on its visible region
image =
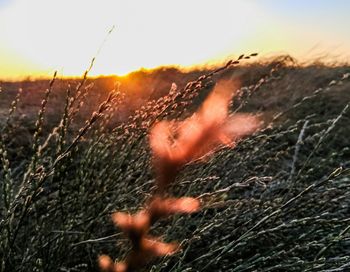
(40, 36)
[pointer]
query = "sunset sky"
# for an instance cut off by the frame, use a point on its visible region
(40, 36)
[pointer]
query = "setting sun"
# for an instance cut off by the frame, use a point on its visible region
(64, 35)
(39, 36)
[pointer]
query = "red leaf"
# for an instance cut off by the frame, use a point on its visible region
(157, 248)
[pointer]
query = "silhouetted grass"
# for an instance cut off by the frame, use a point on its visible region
(277, 202)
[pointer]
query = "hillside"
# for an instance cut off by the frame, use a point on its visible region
(72, 154)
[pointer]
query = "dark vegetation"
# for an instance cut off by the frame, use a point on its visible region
(74, 151)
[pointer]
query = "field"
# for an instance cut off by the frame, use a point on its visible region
(74, 151)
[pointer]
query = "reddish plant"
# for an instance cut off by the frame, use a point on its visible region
(174, 144)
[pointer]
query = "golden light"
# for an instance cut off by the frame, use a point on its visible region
(39, 36)
(65, 34)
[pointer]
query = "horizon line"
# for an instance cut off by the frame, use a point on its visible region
(320, 60)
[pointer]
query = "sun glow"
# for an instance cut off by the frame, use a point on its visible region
(39, 36)
(66, 34)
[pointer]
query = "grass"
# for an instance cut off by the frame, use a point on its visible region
(278, 201)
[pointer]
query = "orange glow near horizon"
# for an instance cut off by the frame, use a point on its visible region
(40, 36)
(65, 35)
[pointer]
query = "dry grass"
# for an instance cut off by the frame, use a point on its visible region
(277, 202)
(175, 144)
